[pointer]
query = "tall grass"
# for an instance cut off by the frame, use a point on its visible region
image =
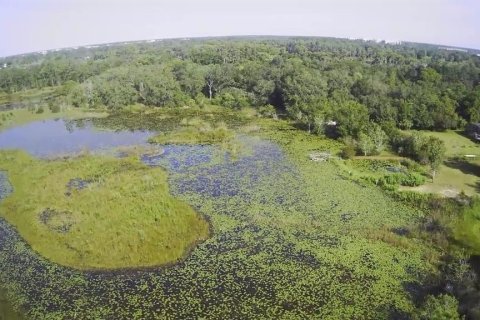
(124, 218)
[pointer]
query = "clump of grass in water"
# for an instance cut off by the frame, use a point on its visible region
(126, 217)
(196, 131)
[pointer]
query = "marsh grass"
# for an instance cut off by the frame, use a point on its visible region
(196, 131)
(125, 217)
(467, 230)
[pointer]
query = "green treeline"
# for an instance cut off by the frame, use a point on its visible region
(313, 80)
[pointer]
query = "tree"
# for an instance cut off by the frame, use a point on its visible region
(377, 136)
(217, 77)
(365, 143)
(435, 151)
(190, 77)
(352, 118)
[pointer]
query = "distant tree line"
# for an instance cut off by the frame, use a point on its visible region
(315, 81)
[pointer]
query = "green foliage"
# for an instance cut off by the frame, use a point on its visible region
(311, 75)
(196, 132)
(423, 148)
(403, 179)
(365, 144)
(267, 111)
(443, 307)
(352, 119)
(233, 98)
(54, 108)
(467, 230)
(124, 218)
(348, 151)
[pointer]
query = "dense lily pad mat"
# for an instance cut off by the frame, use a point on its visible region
(291, 239)
(121, 216)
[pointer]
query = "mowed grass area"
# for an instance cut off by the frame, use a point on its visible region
(98, 212)
(457, 144)
(458, 173)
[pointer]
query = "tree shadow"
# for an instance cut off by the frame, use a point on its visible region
(465, 167)
(465, 135)
(476, 186)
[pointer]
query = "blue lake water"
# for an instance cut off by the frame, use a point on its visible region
(52, 137)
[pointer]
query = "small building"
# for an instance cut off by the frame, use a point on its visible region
(473, 131)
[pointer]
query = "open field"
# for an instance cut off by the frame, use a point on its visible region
(457, 144)
(458, 173)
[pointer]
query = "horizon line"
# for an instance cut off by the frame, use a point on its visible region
(186, 38)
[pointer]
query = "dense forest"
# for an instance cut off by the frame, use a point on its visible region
(313, 80)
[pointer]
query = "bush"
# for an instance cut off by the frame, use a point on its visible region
(54, 108)
(267, 111)
(391, 181)
(40, 110)
(348, 152)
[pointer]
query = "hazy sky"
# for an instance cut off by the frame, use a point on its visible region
(33, 25)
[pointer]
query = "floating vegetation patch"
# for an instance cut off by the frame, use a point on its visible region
(58, 221)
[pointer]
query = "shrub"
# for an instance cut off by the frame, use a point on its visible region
(348, 152)
(40, 110)
(54, 108)
(267, 111)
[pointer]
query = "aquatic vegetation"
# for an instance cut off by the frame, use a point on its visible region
(202, 134)
(125, 217)
(467, 229)
(291, 238)
(168, 119)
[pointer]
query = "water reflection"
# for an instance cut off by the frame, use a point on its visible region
(53, 137)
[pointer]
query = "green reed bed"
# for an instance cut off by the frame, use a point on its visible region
(123, 216)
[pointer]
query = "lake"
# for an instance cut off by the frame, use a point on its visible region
(58, 137)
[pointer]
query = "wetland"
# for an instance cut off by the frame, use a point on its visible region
(174, 229)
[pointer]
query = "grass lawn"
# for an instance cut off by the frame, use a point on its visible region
(450, 181)
(459, 174)
(98, 212)
(457, 144)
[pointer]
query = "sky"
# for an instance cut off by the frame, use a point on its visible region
(36, 25)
